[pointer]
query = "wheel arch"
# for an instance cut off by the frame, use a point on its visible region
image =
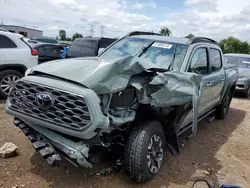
(17, 67)
(167, 121)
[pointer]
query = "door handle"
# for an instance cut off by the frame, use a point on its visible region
(222, 78)
(209, 84)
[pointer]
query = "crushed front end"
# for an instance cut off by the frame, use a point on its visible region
(57, 119)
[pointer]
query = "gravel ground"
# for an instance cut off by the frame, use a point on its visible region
(220, 148)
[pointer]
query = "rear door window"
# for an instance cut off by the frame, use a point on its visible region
(5, 42)
(215, 59)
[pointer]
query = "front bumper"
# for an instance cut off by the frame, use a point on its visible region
(49, 144)
(241, 85)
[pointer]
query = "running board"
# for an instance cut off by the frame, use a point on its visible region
(189, 126)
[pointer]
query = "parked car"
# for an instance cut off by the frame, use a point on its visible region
(243, 62)
(49, 52)
(83, 47)
(45, 40)
(141, 93)
(16, 56)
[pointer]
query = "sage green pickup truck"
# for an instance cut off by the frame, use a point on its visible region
(140, 93)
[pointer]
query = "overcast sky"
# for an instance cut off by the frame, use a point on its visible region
(217, 19)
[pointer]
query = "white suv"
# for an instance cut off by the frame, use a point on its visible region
(16, 56)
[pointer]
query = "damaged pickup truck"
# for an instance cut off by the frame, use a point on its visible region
(142, 92)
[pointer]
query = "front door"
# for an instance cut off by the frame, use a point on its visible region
(199, 64)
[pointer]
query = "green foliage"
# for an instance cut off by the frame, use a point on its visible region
(165, 31)
(234, 45)
(77, 35)
(62, 34)
(189, 36)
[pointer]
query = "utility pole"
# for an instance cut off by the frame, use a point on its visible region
(91, 29)
(102, 30)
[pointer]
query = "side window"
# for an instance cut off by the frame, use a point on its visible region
(215, 59)
(199, 62)
(104, 43)
(5, 42)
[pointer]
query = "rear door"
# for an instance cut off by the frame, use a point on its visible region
(2, 59)
(217, 75)
(8, 51)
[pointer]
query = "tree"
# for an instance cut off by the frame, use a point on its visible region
(189, 36)
(62, 34)
(234, 45)
(77, 35)
(165, 31)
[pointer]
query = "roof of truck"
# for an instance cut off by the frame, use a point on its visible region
(162, 38)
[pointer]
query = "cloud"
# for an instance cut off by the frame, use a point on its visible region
(201, 19)
(73, 15)
(210, 18)
(202, 5)
(144, 5)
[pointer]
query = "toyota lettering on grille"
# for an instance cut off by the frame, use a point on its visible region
(44, 100)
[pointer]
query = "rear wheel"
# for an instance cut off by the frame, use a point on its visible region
(7, 79)
(222, 109)
(144, 152)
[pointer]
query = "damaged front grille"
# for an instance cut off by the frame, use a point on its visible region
(65, 109)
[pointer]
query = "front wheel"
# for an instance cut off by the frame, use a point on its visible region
(7, 80)
(223, 107)
(144, 151)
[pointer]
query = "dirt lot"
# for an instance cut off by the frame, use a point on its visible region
(220, 147)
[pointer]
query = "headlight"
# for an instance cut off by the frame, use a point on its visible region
(27, 72)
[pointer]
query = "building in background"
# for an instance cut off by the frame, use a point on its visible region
(27, 32)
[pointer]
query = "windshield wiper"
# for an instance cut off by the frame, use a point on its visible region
(145, 49)
(172, 62)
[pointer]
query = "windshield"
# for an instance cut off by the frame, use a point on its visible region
(164, 54)
(241, 62)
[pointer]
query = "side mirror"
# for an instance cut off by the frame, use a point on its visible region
(100, 50)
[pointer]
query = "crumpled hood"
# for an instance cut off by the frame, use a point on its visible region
(97, 74)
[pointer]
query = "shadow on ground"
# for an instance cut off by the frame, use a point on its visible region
(197, 153)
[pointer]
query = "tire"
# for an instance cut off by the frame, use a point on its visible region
(247, 92)
(139, 151)
(7, 79)
(222, 109)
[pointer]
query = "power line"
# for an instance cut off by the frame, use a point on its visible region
(102, 30)
(91, 29)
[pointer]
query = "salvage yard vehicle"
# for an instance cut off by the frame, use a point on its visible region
(243, 63)
(142, 92)
(48, 52)
(88, 47)
(16, 56)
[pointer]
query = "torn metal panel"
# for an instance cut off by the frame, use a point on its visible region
(105, 77)
(177, 89)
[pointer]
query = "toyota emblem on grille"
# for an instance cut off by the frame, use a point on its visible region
(44, 100)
